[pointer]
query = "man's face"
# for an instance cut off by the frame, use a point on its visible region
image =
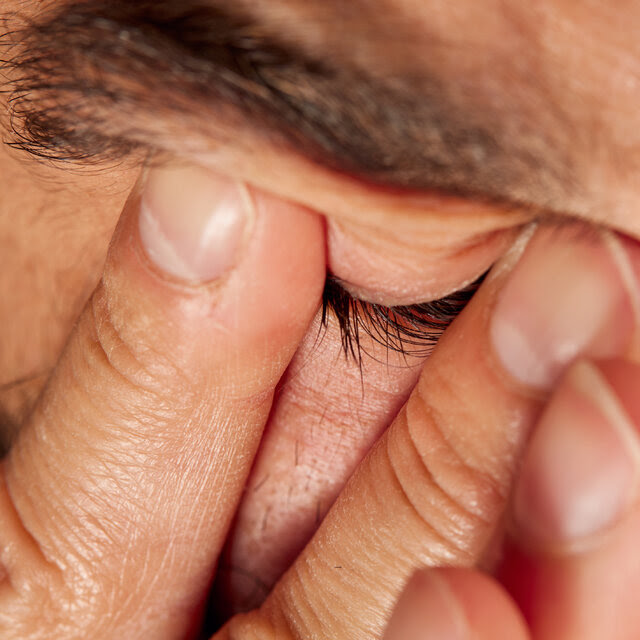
(427, 132)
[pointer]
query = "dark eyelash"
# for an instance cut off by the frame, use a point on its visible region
(410, 330)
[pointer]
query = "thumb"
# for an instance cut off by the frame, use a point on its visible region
(119, 490)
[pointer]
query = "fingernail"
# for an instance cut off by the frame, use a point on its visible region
(427, 610)
(580, 472)
(192, 222)
(565, 297)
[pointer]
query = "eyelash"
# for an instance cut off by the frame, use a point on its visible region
(409, 330)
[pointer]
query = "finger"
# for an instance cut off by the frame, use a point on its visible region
(434, 488)
(574, 562)
(455, 604)
(120, 488)
(329, 411)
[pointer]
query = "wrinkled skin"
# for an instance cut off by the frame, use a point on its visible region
(568, 72)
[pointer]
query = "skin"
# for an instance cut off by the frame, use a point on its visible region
(392, 247)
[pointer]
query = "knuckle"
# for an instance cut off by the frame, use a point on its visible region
(446, 489)
(128, 356)
(36, 602)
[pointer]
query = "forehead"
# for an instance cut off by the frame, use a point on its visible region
(571, 67)
(585, 56)
(360, 27)
(553, 84)
(576, 50)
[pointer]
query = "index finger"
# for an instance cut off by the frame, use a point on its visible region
(119, 490)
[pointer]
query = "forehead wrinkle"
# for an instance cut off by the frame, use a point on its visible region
(337, 116)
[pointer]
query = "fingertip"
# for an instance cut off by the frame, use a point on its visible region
(490, 612)
(428, 608)
(455, 604)
(579, 476)
(215, 272)
(582, 585)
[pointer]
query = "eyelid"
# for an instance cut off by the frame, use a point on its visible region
(404, 255)
(412, 330)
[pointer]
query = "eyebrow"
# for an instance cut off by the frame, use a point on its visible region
(88, 58)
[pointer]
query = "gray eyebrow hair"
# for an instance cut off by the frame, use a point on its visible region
(95, 56)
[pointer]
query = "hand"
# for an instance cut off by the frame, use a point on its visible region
(432, 491)
(572, 564)
(120, 487)
(163, 380)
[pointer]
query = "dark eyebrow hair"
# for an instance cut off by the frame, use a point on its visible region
(70, 67)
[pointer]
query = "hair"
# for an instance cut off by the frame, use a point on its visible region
(79, 77)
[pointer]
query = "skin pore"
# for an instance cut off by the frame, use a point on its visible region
(553, 87)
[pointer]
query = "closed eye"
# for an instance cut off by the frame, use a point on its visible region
(409, 330)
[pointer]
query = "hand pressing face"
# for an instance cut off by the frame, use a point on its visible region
(427, 134)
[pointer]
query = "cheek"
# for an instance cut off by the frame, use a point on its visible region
(404, 268)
